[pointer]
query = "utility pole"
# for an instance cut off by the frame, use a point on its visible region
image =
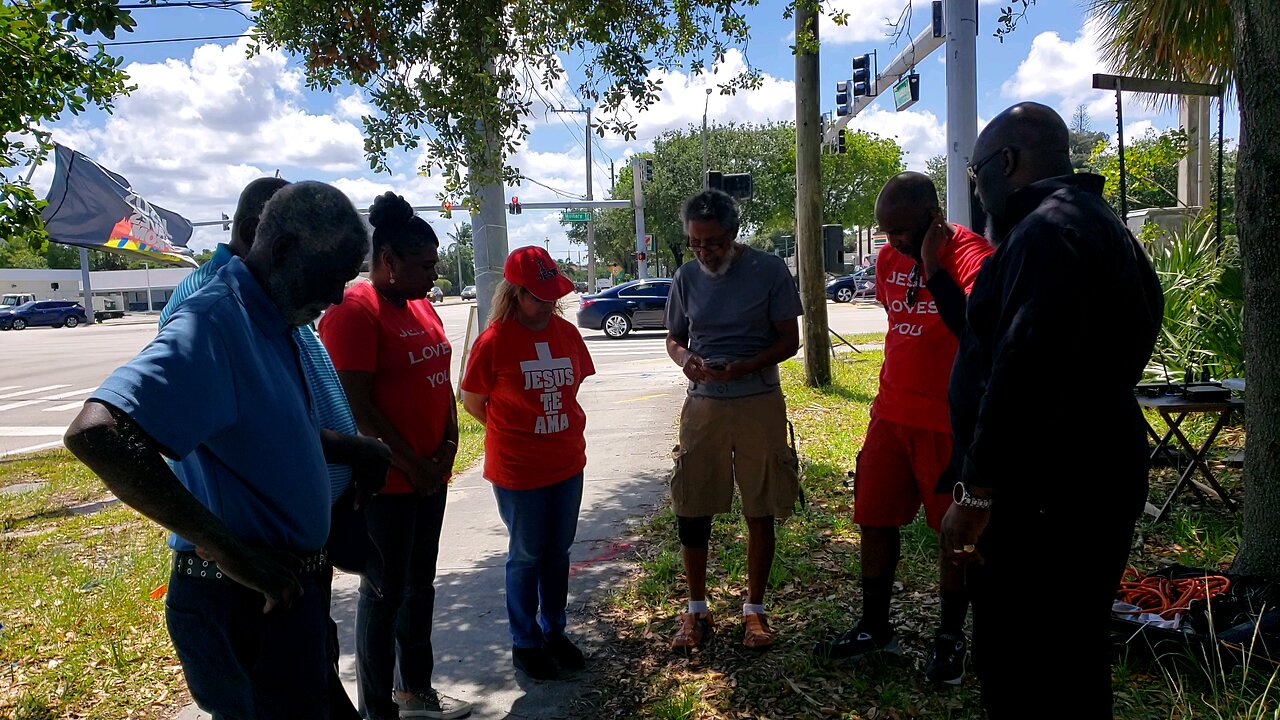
(637, 184)
(817, 356)
(591, 224)
(613, 177)
(962, 105)
(489, 233)
(706, 103)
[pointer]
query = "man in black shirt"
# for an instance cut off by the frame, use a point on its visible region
(1050, 464)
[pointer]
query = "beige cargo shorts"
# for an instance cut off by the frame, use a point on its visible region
(724, 441)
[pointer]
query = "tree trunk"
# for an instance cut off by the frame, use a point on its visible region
(809, 265)
(1257, 54)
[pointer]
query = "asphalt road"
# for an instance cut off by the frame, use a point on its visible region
(46, 373)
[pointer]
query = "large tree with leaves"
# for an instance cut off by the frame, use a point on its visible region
(1236, 42)
(850, 183)
(442, 75)
(47, 69)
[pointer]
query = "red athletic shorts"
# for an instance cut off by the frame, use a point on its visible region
(898, 471)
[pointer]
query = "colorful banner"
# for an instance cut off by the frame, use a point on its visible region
(90, 206)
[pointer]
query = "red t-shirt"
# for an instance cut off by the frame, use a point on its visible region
(534, 433)
(406, 350)
(919, 348)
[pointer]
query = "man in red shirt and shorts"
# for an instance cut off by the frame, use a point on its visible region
(923, 276)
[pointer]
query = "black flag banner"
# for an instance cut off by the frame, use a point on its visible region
(92, 207)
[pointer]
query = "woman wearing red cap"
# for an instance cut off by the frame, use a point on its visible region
(522, 382)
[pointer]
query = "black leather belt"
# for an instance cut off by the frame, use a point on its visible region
(192, 565)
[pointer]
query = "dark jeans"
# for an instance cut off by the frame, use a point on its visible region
(243, 665)
(1033, 664)
(542, 524)
(393, 631)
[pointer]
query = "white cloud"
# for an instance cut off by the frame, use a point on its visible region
(683, 96)
(1060, 73)
(353, 107)
(920, 134)
(871, 20)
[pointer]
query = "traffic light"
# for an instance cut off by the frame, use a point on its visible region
(226, 223)
(840, 139)
(514, 207)
(640, 257)
(648, 170)
(833, 248)
(842, 99)
(740, 186)
(861, 84)
(447, 210)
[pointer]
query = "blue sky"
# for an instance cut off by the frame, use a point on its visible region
(205, 120)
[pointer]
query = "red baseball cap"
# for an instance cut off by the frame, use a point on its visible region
(532, 268)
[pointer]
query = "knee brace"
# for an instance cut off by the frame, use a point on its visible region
(695, 532)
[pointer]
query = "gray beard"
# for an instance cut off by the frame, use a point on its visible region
(729, 257)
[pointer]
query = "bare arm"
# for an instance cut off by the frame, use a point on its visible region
(131, 465)
(679, 352)
(370, 421)
(476, 406)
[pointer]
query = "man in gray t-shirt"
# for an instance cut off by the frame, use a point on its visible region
(731, 318)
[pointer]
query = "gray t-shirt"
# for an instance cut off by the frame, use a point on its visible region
(731, 317)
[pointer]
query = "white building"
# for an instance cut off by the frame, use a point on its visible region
(128, 287)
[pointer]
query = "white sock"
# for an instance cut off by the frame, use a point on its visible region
(749, 609)
(697, 606)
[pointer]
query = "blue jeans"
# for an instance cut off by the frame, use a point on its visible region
(393, 630)
(243, 665)
(542, 524)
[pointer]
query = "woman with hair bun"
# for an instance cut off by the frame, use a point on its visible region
(392, 356)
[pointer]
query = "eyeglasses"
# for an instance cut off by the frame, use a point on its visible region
(975, 168)
(913, 284)
(707, 247)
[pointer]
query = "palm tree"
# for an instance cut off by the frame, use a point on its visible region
(1238, 42)
(1185, 40)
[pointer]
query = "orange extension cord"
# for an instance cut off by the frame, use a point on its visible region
(1166, 597)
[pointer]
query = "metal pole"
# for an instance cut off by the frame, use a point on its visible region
(637, 184)
(962, 104)
(489, 233)
(705, 104)
(817, 356)
(591, 224)
(86, 292)
(147, 269)
(1218, 202)
(1124, 195)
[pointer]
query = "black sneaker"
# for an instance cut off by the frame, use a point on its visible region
(946, 660)
(857, 644)
(565, 653)
(432, 705)
(534, 662)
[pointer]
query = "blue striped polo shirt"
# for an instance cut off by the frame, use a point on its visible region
(326, 391)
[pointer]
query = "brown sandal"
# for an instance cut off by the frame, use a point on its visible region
(694, 630)
(756, 633)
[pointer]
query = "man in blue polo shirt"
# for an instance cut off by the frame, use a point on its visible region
(221, 390)
(345, 449)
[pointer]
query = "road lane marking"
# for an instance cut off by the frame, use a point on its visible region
(33, 391)
(71, 394)
(63, 408)
(19, 404)
(30, 449)
(32, 430)
(642, 397)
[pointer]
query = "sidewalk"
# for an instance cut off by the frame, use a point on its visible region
(631, 412)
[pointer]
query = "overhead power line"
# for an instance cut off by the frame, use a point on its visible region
(175, 40)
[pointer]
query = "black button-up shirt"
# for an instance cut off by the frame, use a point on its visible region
(1060, 325)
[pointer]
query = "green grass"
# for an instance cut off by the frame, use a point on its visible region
(814, 593)
(82, 635)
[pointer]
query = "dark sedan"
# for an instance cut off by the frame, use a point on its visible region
(861, 284)
(636, 305)
(54, 313)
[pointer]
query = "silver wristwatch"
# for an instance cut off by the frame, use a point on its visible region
(960, 494)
